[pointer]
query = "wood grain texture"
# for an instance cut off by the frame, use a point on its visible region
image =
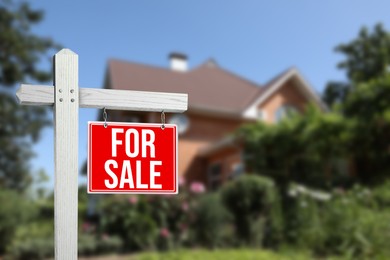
(66, 109)
(109, 98)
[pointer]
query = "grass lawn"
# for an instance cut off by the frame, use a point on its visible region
(228, 254)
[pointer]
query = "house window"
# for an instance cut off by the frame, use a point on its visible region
(215, 176)
(181, 121)
(285, 111)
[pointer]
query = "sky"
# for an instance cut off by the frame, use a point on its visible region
(254, 39)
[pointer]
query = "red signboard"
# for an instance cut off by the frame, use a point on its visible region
(132, 158)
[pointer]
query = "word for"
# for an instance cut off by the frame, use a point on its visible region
(136, 144)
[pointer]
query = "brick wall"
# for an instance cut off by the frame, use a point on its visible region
(286, 95)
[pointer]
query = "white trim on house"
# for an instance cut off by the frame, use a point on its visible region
(302, 84)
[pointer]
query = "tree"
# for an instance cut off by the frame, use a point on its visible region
(349, 144)
(367, 57)
(20, 53)
(21, 50)
(368, 108)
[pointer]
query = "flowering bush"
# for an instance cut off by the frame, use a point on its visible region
(197, 187)
(349, 222)
(248, 212)
(151, 222)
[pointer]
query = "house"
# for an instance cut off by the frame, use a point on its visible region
(219, 102)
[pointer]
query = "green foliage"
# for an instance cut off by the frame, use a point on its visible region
(355, 228)
(131, 222)
(325, 150)
(109, 244)
(366, 58)
(213, 227)
(370, 100)
(304, 223)
(172, 215)
(14, 211)
(308, 149)
(250, 200)
(32, 241)
(335, 92)
(21, 50)
(82, 203)
(368, 109)
(90, 244)
(347, 224)
(381, 196)
(19, 128)
(87, 244)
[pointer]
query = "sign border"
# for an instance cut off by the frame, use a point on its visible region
(89, 155)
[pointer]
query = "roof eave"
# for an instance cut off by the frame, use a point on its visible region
(304, 86)
(217, 112)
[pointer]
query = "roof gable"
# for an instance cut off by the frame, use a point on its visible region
(278, 82)
(208, 86)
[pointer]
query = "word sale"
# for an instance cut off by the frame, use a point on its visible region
(137, 146)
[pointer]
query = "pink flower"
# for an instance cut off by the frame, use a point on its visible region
(184, 206)
(197, 187)
(182, 181)
(133, 200)
(164, 232)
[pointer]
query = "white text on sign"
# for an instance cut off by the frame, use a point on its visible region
(132, 139)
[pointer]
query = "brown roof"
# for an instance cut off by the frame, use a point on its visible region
(208, 86)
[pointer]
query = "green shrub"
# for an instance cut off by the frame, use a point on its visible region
(87, 244)
(304, 223)
(172, 216)
(91, 244)
(132, 222)
(347, 224)
(109, 244)
(32, 241)
(381, 195)
(30, 249)
(355, 228)
(212, 222)
(250, 199)
(14, 211)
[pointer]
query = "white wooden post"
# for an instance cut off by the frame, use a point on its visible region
(66, 132)
(67, 97)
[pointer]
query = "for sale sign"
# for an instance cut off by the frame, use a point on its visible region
(132, 158)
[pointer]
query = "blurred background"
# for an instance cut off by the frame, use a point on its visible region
(284, 152)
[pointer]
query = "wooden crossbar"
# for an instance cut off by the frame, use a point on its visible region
(108, 98)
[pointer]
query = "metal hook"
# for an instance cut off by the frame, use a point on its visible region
(162, 120)
(105, 117)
